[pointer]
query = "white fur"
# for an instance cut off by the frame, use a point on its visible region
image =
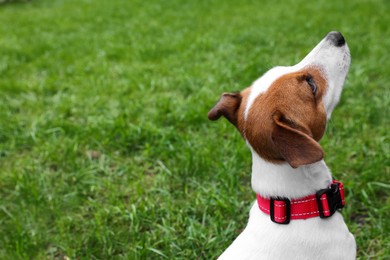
(282, 180)
(313, 238)
(309, 239)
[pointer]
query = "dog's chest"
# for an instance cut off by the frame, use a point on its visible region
(301, 239)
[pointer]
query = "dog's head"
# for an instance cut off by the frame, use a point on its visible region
(283, 115)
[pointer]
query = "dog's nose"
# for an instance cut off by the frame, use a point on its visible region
(336, 38)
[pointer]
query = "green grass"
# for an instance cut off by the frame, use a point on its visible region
(105, 147)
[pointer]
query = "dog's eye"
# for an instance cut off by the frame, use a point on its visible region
(312, 84)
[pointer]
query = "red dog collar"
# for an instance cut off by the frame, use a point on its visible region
(323, 204)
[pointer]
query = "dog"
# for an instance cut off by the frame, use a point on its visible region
(282, 116)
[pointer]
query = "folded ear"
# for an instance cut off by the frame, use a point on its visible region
(227, 106)
(295, 146)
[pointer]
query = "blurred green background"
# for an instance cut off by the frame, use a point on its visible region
(105, 147)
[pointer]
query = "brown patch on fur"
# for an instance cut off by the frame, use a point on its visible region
(296, 147)
(285, 122)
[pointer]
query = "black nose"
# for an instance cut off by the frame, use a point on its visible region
(336, 38)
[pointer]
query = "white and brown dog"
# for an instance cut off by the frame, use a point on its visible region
(282, 116)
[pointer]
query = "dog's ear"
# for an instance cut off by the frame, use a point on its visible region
(295, 146)
(227, 106)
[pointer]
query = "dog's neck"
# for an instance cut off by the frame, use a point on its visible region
(281, 180)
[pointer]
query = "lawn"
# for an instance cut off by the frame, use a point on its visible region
(105, 147)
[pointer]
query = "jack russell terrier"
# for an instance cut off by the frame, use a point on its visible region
(282, 117)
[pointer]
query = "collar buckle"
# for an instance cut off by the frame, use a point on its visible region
(330, 200)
